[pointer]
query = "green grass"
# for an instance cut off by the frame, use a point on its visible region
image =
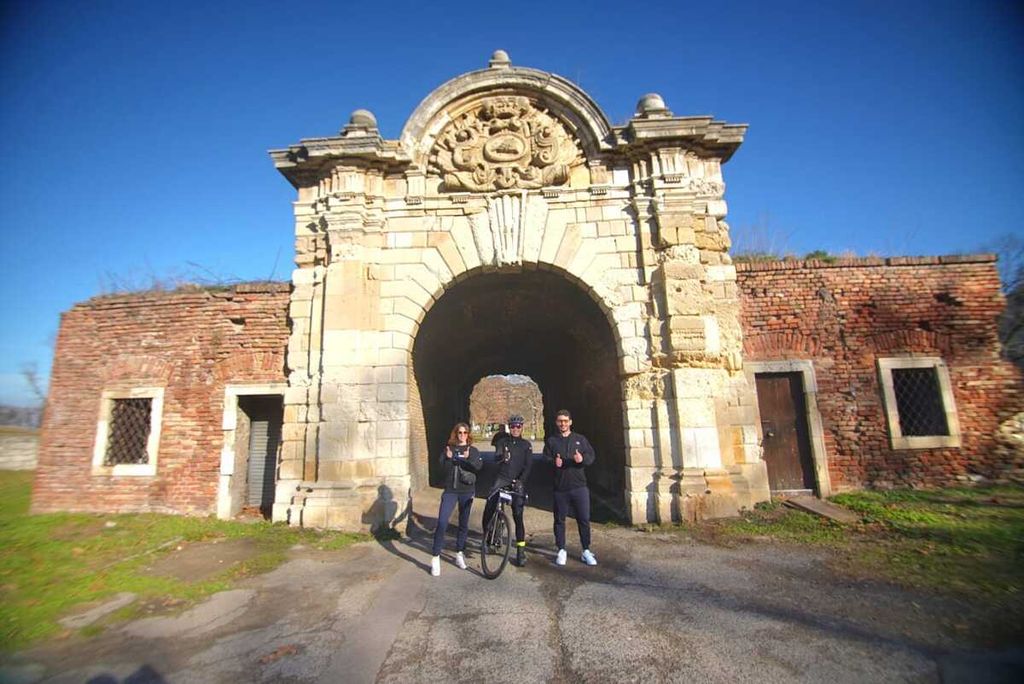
(968, 542)
(53, 563)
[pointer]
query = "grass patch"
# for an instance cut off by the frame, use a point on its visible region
(15, 492)
(968, 542)
(52, 564)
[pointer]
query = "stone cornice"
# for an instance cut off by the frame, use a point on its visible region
(360, 142)
(303, 164)
(702, 133)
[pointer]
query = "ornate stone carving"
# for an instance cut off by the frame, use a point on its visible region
(503, 143)
(512, 225)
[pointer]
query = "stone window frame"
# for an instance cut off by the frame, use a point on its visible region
(896, 439)
(156, 411)
(229, 424)
(815, 427)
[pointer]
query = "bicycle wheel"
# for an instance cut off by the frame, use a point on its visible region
(496, 545)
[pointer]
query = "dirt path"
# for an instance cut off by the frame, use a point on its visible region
(659, 607)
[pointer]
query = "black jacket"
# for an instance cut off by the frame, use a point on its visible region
(570, 476)
(463, 458)
(515, 458)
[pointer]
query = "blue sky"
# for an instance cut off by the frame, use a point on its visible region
(135, 133)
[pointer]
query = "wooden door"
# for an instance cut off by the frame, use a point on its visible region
(787, 447)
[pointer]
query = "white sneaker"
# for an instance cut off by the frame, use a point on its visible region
(588, 557)
(560, 558)
(435, 566)
(460, 560)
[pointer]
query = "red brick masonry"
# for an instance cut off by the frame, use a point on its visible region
(842, 316)
(190, 343)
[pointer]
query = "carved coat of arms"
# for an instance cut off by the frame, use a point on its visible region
(503, 143)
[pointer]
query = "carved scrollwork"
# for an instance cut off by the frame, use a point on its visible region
(702, 186)
(503, 143)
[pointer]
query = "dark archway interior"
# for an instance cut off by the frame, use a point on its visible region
(535, 323)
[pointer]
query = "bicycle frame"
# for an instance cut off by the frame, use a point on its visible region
(497, 539)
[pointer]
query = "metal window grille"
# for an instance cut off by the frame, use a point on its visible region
(129, 432)
(919, 402)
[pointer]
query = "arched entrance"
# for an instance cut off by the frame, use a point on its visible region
(532, 322)
(512, 229)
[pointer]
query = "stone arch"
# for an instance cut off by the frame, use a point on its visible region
(514, 176)
(425, 301)
(569, 102)
(459, 249)
(534, 322)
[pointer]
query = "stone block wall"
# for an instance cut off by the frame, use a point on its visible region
(191, 344)
(18, 447)
(843, 316)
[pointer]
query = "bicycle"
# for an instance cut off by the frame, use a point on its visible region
(497, 540)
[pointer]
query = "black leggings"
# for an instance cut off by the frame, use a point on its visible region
(578, 499)
(518, 503)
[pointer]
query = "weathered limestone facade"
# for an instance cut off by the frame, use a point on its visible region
(514, 172)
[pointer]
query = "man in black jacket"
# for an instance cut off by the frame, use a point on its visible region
(570, 452)
(515, 458)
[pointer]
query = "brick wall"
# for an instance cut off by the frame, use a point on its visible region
(191, 344)
(842, 316)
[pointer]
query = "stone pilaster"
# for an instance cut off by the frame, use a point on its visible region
(695, 333)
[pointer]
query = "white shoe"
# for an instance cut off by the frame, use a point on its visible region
(588, 557)
(435, 566)
(560, 558)
(460, 561)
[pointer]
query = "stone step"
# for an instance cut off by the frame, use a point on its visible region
(825, 509)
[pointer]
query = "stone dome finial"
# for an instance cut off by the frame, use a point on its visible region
(652, 105)
(499, 60)
(361, 122)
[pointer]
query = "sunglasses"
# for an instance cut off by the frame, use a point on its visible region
(515, 425)
(462, 432)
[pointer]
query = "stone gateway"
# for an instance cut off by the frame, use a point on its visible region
(509, 197)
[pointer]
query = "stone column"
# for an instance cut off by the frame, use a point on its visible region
(695, 331)
(301, 401)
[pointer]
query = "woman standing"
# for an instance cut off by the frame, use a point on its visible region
(460, 463)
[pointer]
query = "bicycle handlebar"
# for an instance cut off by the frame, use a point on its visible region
(508, 489)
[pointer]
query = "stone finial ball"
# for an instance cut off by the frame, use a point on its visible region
(363, 118)
(651, 103)
(499, 59)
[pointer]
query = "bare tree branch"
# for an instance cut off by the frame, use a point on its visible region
(30, 372)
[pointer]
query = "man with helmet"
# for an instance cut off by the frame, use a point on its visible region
(514, 455)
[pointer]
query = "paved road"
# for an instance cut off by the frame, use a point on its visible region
(658, 608)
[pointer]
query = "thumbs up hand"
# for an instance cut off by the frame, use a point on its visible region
(578, 457)
(558, 460)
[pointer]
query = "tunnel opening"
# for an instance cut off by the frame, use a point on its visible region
(497, 397)
(533, 323)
